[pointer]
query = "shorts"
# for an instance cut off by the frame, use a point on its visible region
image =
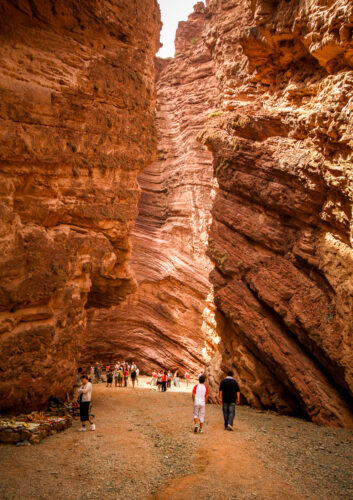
(84, 411)
(199, 413)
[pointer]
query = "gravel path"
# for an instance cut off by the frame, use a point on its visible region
(144, 448)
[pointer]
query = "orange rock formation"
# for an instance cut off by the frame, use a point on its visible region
(281, 235)
(77, 113)
(266, 87)
(168, 321)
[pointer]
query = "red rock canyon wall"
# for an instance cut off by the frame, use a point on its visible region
(279, 129)
(266, 87)
(281, 237)
(168, 321)
(76, 128)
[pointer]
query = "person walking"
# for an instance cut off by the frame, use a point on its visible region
(85, 398)
(169, 379)
(116, 375)
(229, 394)
(96, 372)
(133, 377)
(187, 378)
(176, 382)
(154, 378)
(164, 381)
(159, 380)
(137, 376)
(109, 378)
(120, 376)
(200, 397)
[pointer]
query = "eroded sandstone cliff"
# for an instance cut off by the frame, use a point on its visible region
(168, 322)
(266, 87)
(76, 128)
(281, 237)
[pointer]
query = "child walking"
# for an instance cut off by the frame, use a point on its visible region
(200, 397)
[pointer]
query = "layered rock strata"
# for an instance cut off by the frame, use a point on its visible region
(168, 322)
(281, 237)
(76, 128)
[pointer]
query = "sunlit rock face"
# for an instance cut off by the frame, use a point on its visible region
(76, 114)
(169, 321)
(281, 237)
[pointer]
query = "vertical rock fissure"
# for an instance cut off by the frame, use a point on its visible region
(168, 322)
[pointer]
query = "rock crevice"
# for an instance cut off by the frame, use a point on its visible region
(167, 322)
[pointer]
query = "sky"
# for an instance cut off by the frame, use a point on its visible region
(173, 11)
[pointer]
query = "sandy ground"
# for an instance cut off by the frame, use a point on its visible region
(144, 448)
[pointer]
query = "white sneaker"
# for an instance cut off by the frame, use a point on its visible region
(93, 427)
(82, 429)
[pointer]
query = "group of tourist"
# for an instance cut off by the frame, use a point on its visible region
(119, 372)
(229, 392)
(163, 379)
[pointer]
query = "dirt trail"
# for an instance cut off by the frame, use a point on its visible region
(144, 448)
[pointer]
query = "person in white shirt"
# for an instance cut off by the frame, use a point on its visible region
(85, 397)
(200, 397)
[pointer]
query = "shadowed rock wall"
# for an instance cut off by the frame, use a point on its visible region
(281, 237)
(168, 322)
(76, 127)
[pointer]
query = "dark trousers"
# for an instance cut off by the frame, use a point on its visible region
(164, 386)
(125, 381)
(228, 414)
(84, 411)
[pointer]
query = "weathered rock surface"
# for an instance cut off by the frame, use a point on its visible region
(267, 87)
(168, 322)
(281, 237)
(76, 128)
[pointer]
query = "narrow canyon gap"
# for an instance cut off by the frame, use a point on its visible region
(244, 225)
(246, 75)
(168, 322)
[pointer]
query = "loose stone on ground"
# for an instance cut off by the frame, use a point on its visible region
(266, 457)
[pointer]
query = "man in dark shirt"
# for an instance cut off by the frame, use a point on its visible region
(229, 393)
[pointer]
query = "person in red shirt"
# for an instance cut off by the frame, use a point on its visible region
(187, 378)
(164, 382)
